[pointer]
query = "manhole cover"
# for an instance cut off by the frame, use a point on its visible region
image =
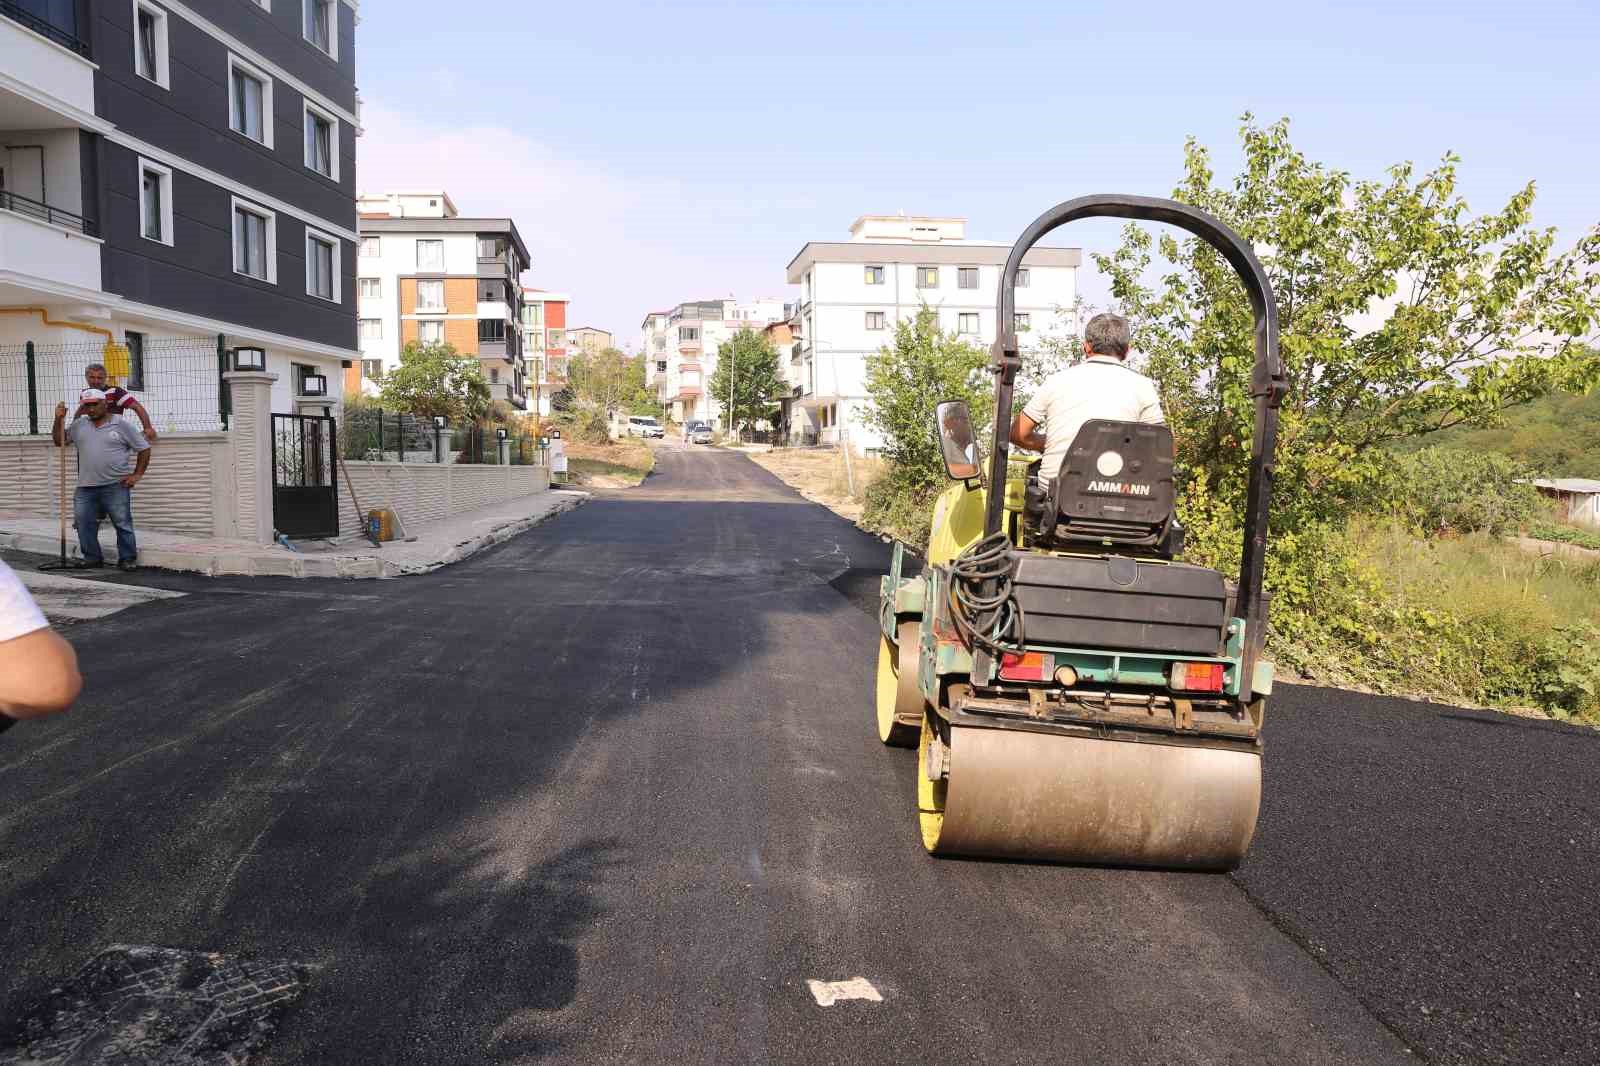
(149, 1005)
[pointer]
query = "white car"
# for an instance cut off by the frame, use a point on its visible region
(645, 426)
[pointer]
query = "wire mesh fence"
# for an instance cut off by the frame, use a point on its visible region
(177, 381)
(376, 435)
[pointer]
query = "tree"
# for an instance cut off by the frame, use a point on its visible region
(605, 382)
(433, 380)
(907, 378)
(1401, 314)
(748, 363)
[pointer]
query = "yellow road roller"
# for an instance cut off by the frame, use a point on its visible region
(1074, 690)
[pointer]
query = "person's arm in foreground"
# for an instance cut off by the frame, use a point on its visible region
(1025, 433)
(38, 670)
(57, 431)
(141, 464)
(144, 418)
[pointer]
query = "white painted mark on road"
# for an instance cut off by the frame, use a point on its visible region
(827, 993)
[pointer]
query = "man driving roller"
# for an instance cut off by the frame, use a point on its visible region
(1102, 386)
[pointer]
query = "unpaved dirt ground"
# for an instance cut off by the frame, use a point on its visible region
(618, 465)
(819, 475)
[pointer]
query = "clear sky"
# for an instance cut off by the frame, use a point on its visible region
(656, 153)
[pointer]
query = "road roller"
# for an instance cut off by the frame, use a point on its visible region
(1075, 691)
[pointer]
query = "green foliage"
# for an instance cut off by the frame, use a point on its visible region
(1583, 538)
(434, 380)
(1401, 313)
(748, 363)
(899, 507)
(604, 383)
(1554, 436)
(1446, 490)
(906, 380)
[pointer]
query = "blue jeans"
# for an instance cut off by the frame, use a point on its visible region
(116, 502)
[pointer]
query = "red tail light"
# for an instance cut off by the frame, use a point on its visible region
(1029, 666)
(1197, 677)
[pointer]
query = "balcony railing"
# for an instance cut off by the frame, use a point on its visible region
(10, 201)
(44, 27)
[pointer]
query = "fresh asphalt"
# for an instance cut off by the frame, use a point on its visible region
(609, 793)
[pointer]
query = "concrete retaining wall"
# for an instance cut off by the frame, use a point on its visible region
(188, 490)
(424, 492)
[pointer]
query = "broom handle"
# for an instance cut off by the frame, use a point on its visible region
(62, 496)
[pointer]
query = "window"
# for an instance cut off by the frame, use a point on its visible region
(491, 329)
(875, 319)
(494, 290)
(430, 332)
(135, 343)
(927, 277)
(318, 28)
(372, 329)
(1022, 278)
(967, 323)
(558, 338)
(661, 366)
(874, 275)
(322, 141)
(155, 202)
(430, 296)
(371, 248)
(494, 375)
(371, 288)
(430, 256)
(249, 101)
(966, 277)
(688, 333)
(372, 369)
(491, 247)
(1021, 322)
(150, 43)
(322, 266)
(255, 242)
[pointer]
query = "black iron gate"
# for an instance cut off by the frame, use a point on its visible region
(305, 487)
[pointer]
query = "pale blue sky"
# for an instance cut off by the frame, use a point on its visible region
(654, 153)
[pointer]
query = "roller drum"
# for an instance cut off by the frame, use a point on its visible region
(1017, 794)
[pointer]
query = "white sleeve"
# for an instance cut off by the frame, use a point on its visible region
(19, 615)
(1151, 414)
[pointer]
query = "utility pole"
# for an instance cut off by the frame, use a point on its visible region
(733, 369)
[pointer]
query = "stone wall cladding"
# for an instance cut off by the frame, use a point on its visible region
(426, 492)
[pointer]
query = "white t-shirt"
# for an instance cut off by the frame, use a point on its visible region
(1098, 387)
(19, 615)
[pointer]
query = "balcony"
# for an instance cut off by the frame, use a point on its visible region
(52, 245)
(47, 76)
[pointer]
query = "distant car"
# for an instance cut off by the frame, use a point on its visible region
(701, 434)
(645, 426)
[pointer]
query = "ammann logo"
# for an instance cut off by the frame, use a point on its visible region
(1121, 488)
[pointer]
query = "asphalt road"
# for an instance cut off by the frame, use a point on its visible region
(609, 793)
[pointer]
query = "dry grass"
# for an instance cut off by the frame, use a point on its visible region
(820, 476)
(619, 464)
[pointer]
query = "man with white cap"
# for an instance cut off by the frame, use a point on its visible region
(112, 459)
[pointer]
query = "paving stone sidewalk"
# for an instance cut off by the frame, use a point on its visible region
(431, 545)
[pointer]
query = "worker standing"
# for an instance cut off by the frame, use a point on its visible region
(112, 459)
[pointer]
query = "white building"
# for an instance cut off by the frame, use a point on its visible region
(680, 348)
(853, 292)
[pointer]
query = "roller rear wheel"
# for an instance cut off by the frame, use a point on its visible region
(899, 701)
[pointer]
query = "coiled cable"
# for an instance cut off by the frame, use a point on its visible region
(985, 561)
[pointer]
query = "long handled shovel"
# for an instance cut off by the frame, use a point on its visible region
(338, 447)
(61, 496)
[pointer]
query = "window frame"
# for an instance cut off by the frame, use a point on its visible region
(377, 247)
(361, 329)
(332, 51)
(146, 165)
(162, 64)
(366, 366)
(377, 288)
(1024, 278)
(434, 323)
(134, 341)
(977, 324)
(961, 276)
(882, 318)
(922, 283)
(1021, 322)
(493, 325)
(238, 65)
(307, 110)
(334, 264)
(270, 237)
(875, 275)
(440, 306)
(440, 269)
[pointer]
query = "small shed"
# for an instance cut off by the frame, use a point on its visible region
(1578, 497)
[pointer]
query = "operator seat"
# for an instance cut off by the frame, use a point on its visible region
(1114, 489)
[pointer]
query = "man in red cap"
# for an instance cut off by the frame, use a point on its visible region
(112, 459)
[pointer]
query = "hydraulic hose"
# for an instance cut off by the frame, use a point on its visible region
(986, 564)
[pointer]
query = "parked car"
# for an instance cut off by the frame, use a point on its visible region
(701, 434)
(645, 426)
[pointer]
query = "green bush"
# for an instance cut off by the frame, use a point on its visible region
(1583, 538)
(1450, 490)
(901, 507)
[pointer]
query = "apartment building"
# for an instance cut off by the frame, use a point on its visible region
(853, 292)
(589, 339)
(544, 339)
(171, 172)
(428, 274)
(680, 349)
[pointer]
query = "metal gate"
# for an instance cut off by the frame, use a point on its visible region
(305, 487)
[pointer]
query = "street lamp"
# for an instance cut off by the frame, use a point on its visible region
(254, 359)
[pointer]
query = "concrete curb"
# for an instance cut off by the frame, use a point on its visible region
(287, 564)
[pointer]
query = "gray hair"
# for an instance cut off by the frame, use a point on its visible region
(1107, 334)
(96, 366)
